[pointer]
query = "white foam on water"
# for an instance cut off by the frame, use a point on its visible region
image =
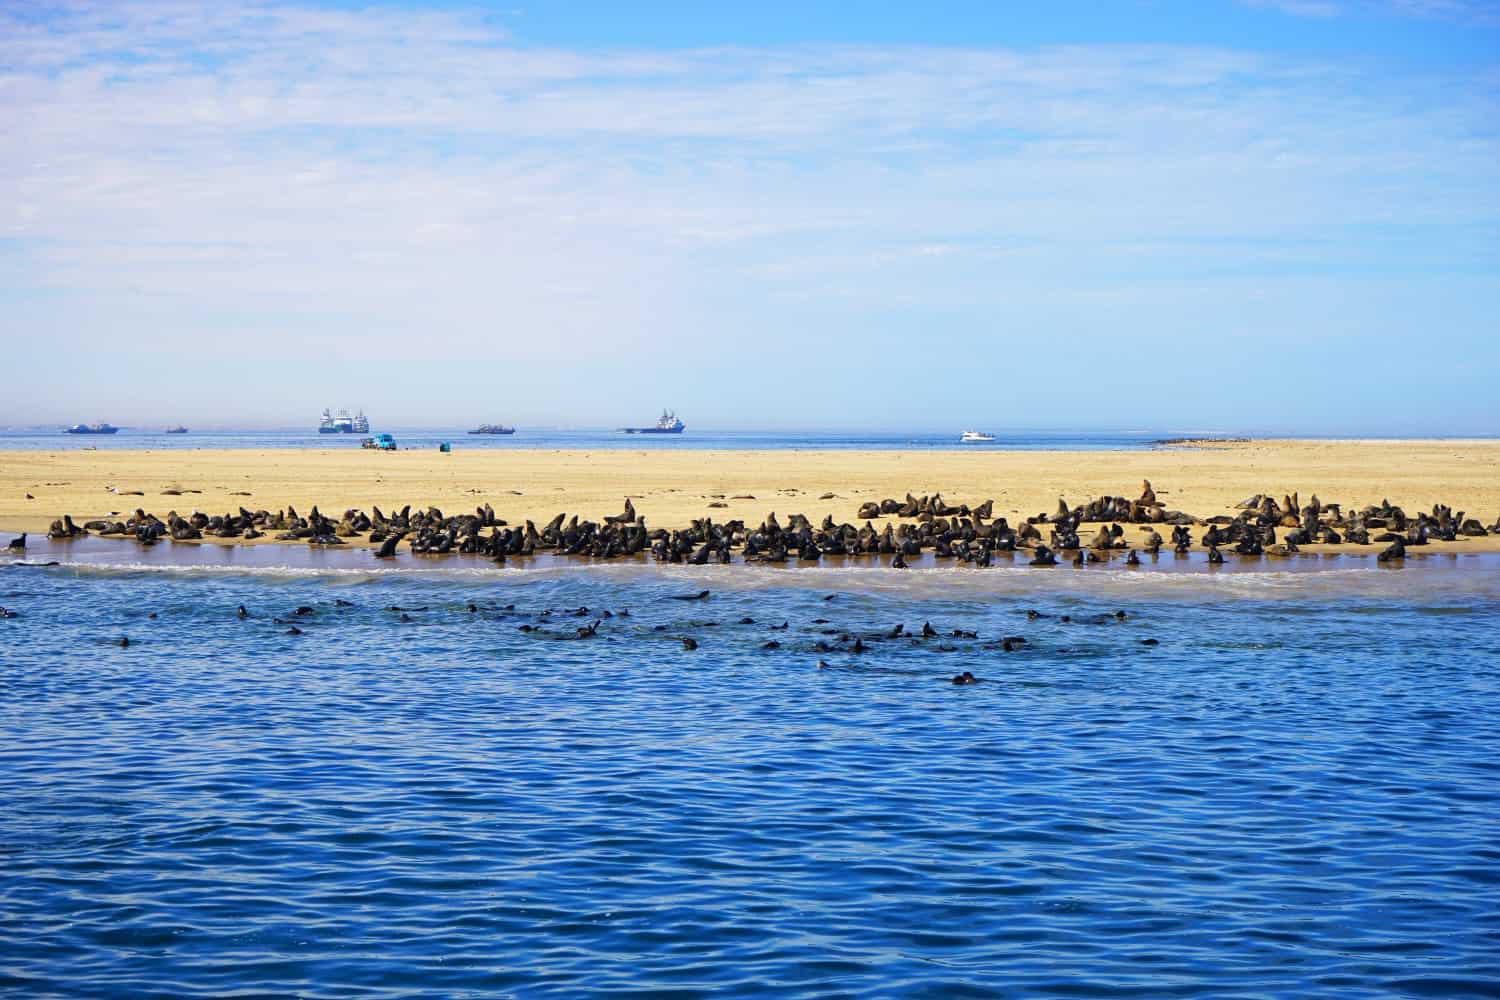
(1420, 581)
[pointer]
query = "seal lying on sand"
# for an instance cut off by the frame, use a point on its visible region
(919, 526)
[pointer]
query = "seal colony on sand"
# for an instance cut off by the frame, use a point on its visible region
(930, 525)
(671, 488)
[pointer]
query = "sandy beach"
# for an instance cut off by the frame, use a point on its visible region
(670, 489)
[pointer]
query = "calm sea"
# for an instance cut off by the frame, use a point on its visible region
(53, 439)
(1264, 783)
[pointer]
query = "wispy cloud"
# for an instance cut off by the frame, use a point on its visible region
(1475, 11)
(1301, 8)
(1483, 12)
(290, 176)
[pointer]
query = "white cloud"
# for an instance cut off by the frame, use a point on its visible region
(1485, 12)
(1301, 8)
(383, 181)
(1478, 11)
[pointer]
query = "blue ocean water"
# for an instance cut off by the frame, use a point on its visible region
(54, 439)
(437, 789)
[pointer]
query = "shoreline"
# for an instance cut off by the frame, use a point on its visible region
(113, 554)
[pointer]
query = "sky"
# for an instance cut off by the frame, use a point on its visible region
(1235, 215)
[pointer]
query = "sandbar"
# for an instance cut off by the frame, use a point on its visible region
(672, 488)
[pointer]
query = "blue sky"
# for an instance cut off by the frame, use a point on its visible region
(1248, 215)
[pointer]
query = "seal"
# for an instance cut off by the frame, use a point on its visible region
(387, 548)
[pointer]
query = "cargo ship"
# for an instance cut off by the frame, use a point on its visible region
(343, 423)
(666, 424)
(99, 428)
(493, 429)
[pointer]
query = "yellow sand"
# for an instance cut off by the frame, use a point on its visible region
(670, 488)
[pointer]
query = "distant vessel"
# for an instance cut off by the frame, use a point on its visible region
(666, 424)
(971, 436)
(493, 429)
(343, 423)
(99, 428)
(179, 429)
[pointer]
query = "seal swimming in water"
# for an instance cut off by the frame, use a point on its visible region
(387, 548)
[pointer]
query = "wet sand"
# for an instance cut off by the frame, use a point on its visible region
(671, 488)
(927, 574)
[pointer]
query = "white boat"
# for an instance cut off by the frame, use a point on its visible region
(972, 436)
(343, 423)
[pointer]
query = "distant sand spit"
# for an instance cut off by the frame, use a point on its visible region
(671, 488)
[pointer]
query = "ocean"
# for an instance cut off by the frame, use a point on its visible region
(1270, 782)
(54, 439)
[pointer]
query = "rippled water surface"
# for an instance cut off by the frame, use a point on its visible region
(695, 438)
(1293, 792)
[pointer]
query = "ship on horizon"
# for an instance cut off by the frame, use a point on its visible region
(667, 423)
(493, 429)
(100, 428)
(343, 423)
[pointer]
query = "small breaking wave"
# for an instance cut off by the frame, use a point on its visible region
(1472, 577)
